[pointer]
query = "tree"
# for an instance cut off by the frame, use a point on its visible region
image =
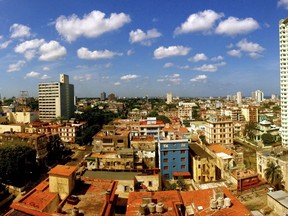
(267, 138)
(249, 130)
(164, 119)
(18, 162)
(273, 174)
(181, 183)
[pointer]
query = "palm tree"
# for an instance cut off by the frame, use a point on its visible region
(273, 174)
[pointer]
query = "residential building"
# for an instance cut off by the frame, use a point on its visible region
(53, 196)
(202, 164)
(185, 111)
(103, 96)
(173, 155)
(278, 201)
(283, 27)
(239, 98)
(150, 127)
(259, 96)
(110, 138)
(23, 117)
(219, 131)
(56, 99)
(250, 113)
(169, 98)
(245, 179)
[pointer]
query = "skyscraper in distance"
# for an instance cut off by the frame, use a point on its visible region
(283, 40)
(56, 99)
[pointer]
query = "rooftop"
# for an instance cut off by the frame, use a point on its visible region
(218, 148)
(280, 196)
(197, 150)
(62, 170)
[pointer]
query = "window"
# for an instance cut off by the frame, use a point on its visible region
(126, 188)
(183, 167)
(165, 152)
(165, 167)
(199, 166)
(150, 184)
(166, 176)
(182, 151)
(165, 160)
(165, 145)
(183, 159)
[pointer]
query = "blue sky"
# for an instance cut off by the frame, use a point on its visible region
(135, 48)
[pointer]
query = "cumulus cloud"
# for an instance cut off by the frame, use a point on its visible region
(52, 51)
(198, 57)
(91, 25)
(5, 44)
(83, 77)
(143, 38)
(234, 26)
(44, 77)
(235, 53)
(246, 46)
(130, 52)
(201, 21)
(200, 78)
(174, 79)
(19, 31)
(283, 3)
(16, 67)
(163, 52)
(84, 53)
(253, 50)
(168, 65)
(45, 68)
(117, 83)
(32, 74)
(217, 58)
(29, 48)
(129, 77)
(209, 67)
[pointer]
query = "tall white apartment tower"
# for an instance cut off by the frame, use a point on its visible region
(283, 40)
(169, 98)
(56, 99)
(239, 97)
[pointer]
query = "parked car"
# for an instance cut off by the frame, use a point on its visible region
(73, 199)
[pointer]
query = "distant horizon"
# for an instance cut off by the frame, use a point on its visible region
(137, 48)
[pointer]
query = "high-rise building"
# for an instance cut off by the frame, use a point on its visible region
(283, 35)
(103, 96)
(259, 96)
(56, 99)
(239, 97)
(169, 98)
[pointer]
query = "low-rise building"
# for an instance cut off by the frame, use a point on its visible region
(278, 201)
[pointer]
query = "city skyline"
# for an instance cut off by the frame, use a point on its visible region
(189, 48)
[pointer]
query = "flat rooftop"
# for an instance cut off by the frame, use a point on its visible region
(111, 175)
(197, 150)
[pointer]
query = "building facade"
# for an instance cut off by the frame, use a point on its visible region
(56, 99)
(283, 30)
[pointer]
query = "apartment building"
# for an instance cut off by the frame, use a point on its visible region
(56, 99)
(219, 131)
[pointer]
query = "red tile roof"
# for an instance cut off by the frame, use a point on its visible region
(202, 198)
(62, 170)
(218, 148)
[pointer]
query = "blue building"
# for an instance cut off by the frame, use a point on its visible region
(173, 155)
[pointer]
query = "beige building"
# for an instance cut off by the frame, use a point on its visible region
(203, 164)
(219, 131)
(4, 128)
(62, 180)
(278, 202)
(250, 113)
(23, 117)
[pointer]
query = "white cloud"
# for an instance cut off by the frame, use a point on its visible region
(168, 65)
(233, 26)
(83, 77)
(19, 31)
(117, 83)
(163, 52)
(209, 67)
(174, 79)
(199, 78)
(92, 25)
(198, 57)
(201, 21)
(5, 44)
(129, 77)
(283, 3)
(130, 52)
(32, 74)
(143, 38)
(246, 46)
(217, 58)
(84, 53)
(255, 55)
(16, 67)
(52, 51)
(44, 77)
(235, 53)
(45, 68)
(29, 48)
